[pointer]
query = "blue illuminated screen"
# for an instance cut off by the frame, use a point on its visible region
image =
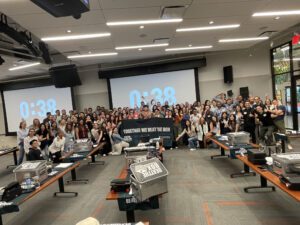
(172, 87)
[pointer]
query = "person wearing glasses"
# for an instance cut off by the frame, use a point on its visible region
(27, 140)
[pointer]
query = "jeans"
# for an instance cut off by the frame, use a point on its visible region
(45, 152)
(21, 153)
(266, 134)
(192, 142)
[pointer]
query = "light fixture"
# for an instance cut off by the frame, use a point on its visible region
(141, 46)
(69, 31)
(278, 13)
(90, 52)
(142, 27)
(230, 26)
(188, 48)
(243, 39)
(24, 66)
(211, 22)
(190, 45)
(277, 18)
(140, 49)
(143, 22)
(92, 55)
(76, 37)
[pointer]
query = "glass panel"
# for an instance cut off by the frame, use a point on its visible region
(283, 93)
(296, 56)
(298, 102)
(281, 59)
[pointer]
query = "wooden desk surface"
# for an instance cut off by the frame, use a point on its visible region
(270, 177)
(9, 151)
(114, 195)
(46, 184)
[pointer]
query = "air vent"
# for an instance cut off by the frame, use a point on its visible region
(171, 12)
(161, 40)
(267, 33)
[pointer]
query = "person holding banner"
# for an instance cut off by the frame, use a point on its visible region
(191, 132)
(118, 143)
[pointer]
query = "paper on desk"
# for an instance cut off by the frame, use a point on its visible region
(63, 165)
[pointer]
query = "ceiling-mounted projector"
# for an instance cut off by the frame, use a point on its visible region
(62, 8)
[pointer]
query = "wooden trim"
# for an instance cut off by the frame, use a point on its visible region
(49, 182)
(114, 195)
(270, 177)
(15, 149)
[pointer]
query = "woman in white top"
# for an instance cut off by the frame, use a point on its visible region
(214, 129)
(202, 130)
(31, 136)
(57, 147)
(21, 134)
(95, 133)
(191, 132)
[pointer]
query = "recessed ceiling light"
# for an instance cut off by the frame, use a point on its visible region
(24, 66)
(90, 52)
(141, 46)
(142, 27)
(143, 22)
(278, 13)
(277, 18)
(243, 39)
(75, 37)
(188, 48)
(140, 49)
(211, 22)
(190, 45)
(208, 28)
(69, 31)
(92, 55)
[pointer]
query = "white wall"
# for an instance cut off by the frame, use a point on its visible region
(93, 91)
(252, 71)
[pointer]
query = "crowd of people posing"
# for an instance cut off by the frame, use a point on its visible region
(194, 124)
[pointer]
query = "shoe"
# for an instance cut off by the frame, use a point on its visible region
(192, 149)
(176, 147)
(171, 148)
(104, 155)
(290, 147)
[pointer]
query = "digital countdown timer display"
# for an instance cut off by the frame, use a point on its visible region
(168, 94)
(38, 108)
(174, 87)
(28, 104)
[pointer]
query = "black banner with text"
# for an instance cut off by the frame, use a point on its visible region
(152, 128)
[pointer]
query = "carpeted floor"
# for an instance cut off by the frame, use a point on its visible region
(201, 192)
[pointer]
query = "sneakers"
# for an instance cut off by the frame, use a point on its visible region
(104, 155)
(192, 149)
(290, 147)
(176, 147)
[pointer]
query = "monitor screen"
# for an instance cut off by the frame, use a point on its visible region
(28, 104)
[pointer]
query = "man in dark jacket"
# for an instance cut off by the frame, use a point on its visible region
(34, 152)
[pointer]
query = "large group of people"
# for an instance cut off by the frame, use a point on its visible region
(194, 124)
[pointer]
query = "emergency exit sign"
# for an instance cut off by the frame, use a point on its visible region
(296, 39)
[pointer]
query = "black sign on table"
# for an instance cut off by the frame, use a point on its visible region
(151, 128)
